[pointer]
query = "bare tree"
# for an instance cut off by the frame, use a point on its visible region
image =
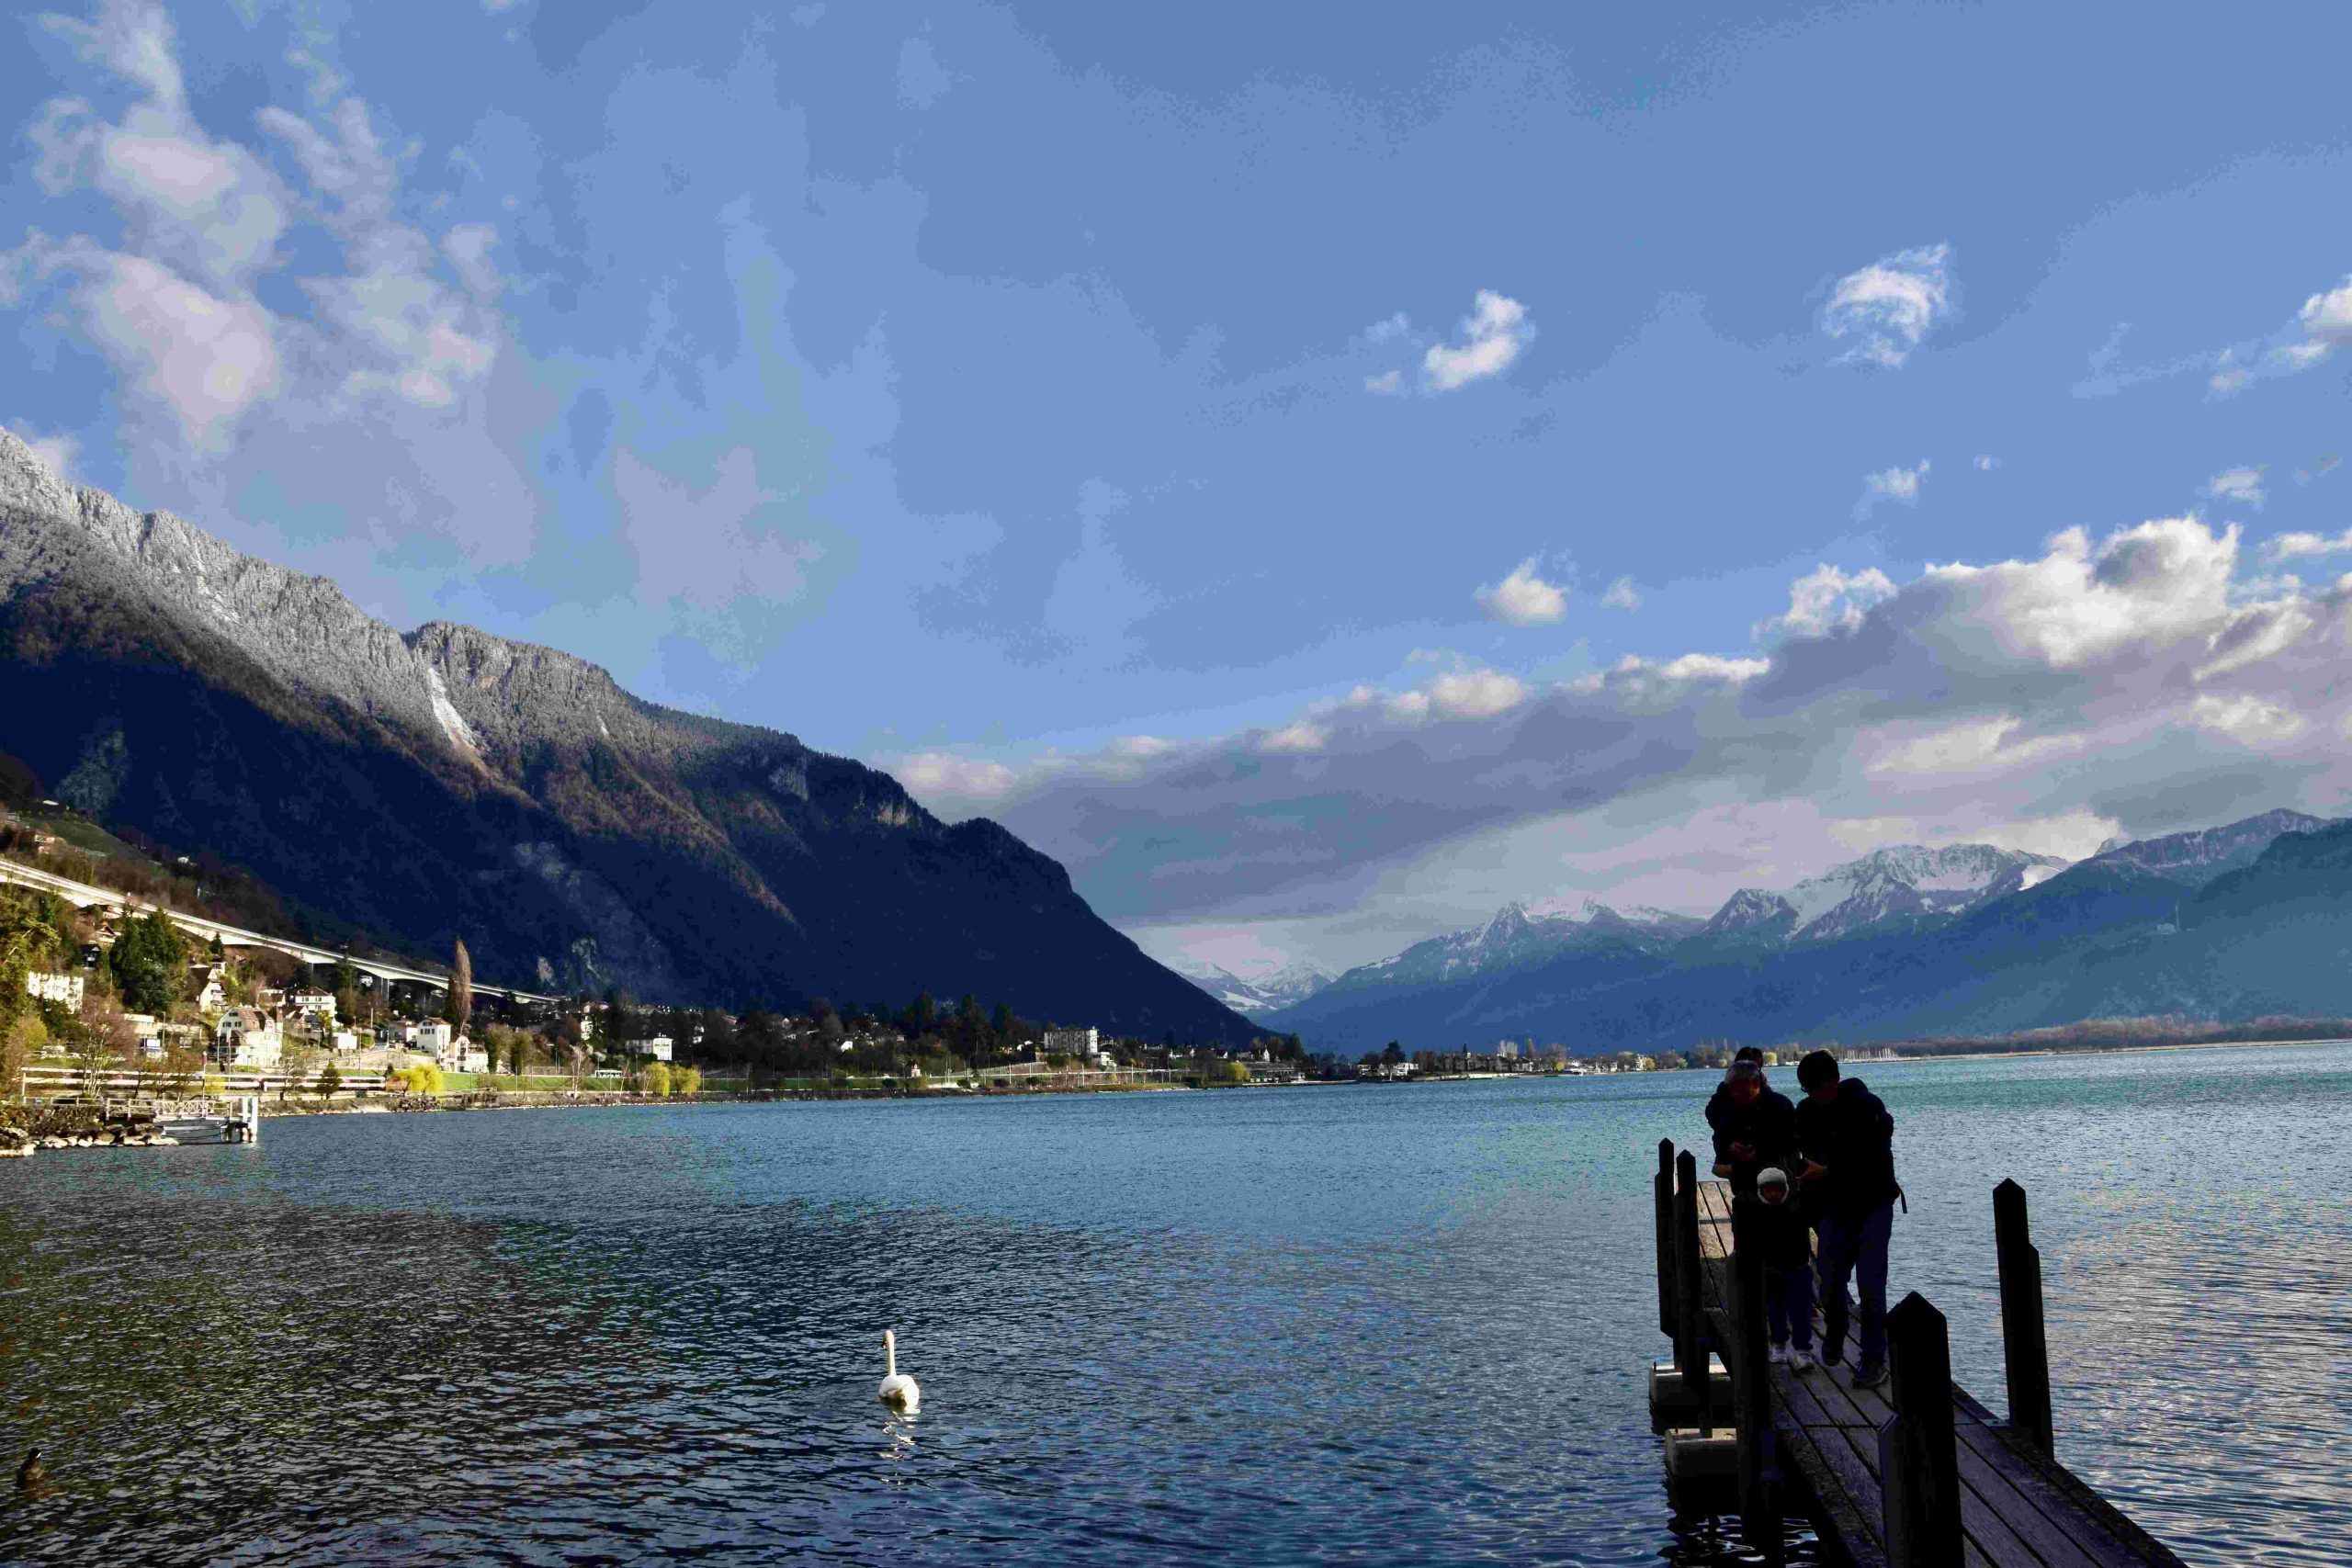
(461, 990)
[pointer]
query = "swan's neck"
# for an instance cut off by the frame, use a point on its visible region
(889, 1354)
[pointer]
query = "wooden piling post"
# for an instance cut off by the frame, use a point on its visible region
(1918, 1453)
(1663, 1192)
(1759, 1513)
(1691, 1328)
(2023, 1342)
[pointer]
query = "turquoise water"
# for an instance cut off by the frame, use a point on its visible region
(1360, 1325)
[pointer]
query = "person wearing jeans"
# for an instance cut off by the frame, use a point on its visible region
(1848, 1141)
(1856, 1249)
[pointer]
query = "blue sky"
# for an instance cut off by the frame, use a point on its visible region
(1242, 447)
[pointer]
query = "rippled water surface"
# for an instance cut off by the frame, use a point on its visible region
(1350, 1323)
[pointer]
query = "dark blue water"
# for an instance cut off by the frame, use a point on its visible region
(1336, 1324)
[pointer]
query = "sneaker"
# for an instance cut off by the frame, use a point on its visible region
(1778, 1355)
(1800, 1360)
(1832, 1352)
(1870, 1374)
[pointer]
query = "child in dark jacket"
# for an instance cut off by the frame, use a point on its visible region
(1788, 1270)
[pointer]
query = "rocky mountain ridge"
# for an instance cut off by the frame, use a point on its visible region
(446, 783)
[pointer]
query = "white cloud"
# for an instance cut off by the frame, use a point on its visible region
(203, 358)
(1394, 326)
(1966, 748)
(1623, 595)
(2297, 546)
(940, 776)
(1828, 600)
(1891, 304)
(2250, 720)
(1493, 334)
(2230, 373)
(1301, 736)
(1711, 667)
(2156, 582)
(1987, 464)
(2244, 485)
(1524, 599)
(1386, 381)
(1891, 484)
(2326, 318)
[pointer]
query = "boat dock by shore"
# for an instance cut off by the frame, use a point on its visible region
(1916, 1474)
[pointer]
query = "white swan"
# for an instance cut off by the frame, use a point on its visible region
(899, 1391)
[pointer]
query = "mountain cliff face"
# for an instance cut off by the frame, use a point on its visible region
(446, 784)
(2231, 923)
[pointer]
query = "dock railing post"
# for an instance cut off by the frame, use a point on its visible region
(1663, 1191)
(1918, 1455)
(1759, 1518)
(1691, 1357)
(2023, 1342)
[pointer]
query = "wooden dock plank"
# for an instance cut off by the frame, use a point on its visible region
(2019, 1508)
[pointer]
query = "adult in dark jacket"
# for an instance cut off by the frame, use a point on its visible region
(1754, 1127)
(1848, 1141)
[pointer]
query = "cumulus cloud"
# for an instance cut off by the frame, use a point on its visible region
(2174, 693)
(1828, 600)
(1891, 305)
(2326, 317)
(176, 302)
(2296, 546)
(1621, 596)
(1891, 484)
(2243, 485)
(1492, 336)
(1524, 599)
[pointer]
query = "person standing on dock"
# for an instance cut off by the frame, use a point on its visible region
(1788, 1269)
(1848, 1141)
(1754, 1127)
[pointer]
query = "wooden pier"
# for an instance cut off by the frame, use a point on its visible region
(1912, 1474)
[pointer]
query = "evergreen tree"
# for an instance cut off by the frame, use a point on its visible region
(148, 962)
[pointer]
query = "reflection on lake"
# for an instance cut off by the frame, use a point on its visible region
(1356, 1324)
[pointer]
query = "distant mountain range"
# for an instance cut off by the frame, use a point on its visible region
(2231, 922)
(446, 784)
(1286, 987)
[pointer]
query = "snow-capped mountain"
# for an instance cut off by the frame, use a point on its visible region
(2196, 859)
(1900, 884)
(1523, 933)
(1290, 984)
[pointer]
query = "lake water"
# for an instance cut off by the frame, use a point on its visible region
(1367, 1324)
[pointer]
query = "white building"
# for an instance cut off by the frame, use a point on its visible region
(660, 1047)
(435, 1038)
(210, 995)
(344, 1040)
(315, 1004)
(247, 1037)
(65, 989)
(1072, 1042)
